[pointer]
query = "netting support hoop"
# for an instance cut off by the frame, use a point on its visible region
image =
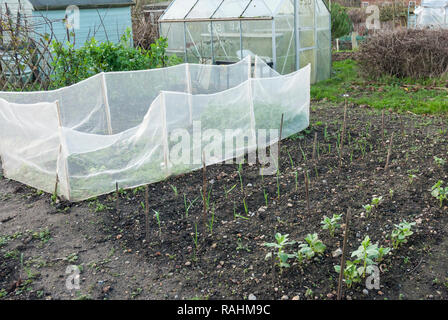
(165, 135)
(189, 90)
(106, 103)
(60, 155)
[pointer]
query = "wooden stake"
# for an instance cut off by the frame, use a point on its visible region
(204, 188)
(117, 194)
(382, 126)
(341, 273)
(307, 191)
(314, 146)
(389, 152)
(341, 145)
(147, 212)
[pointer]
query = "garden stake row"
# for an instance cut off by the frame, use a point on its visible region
(389, 152)
(344, 246)
(147, 212)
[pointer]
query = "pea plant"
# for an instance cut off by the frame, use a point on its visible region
(313, 246)
(331, 224)
(439, 192)
(282, 257)
(401, 232)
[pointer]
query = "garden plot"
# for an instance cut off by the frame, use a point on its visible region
(187, 256)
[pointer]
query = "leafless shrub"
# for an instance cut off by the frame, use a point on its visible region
(405, 53)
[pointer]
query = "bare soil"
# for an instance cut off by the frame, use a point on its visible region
(39, 239)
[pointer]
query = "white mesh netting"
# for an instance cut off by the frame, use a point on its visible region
(140, 127)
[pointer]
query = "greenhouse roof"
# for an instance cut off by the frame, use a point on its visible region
(222, 9)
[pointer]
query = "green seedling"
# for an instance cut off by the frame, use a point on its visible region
(313, 247)
(439, 192)
(366, 254)
(331, 224)
(382, 252)
(377, 200)
(211, 221)
(368, 208)
(226, 192)
(265, 194)
(411, 178)
(351, 274)
(195, 241)
(281, 256)
(439, 161)
(157, 216)
(174, 190)
(401, 232)
(187, 207)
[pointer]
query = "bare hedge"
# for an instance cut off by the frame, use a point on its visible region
(405, 53)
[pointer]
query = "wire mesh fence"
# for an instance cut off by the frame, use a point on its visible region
(27, 60)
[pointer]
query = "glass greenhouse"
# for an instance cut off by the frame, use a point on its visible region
(286, 34)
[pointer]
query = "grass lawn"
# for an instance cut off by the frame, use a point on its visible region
(428, 96)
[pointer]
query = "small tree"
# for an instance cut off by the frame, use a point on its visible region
(341, 24)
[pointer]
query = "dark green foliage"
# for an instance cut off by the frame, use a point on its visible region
(73, 65)
(341, 24)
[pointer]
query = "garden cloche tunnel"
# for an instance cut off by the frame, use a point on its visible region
(286, 34)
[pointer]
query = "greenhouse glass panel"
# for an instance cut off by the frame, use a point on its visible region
(257, 8)
(226, 41)
(306, 39)
(231, 9)
(308, 56)
(306, 13)
(286, 43)
(273, 5)
(199, 46)
(323, 65)
(204, 9)
(174, 32)
(178, 9)
(322, 16)
(257, 39)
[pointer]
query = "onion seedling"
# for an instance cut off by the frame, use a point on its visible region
(187, 208)
(175, 190)
(157, 216)
(226, 192)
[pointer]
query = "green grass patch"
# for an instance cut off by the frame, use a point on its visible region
(426, 96)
